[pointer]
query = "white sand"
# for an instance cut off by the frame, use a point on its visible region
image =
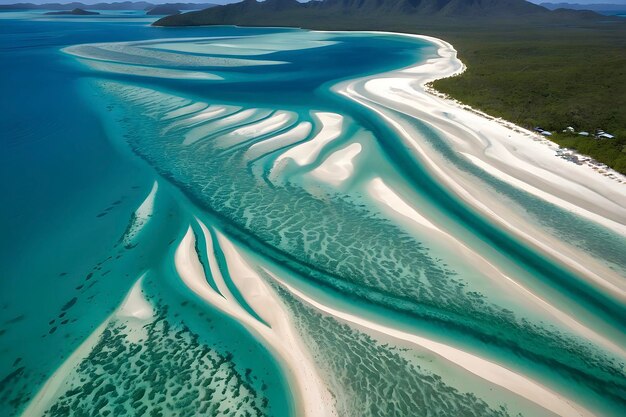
(509, 152)
(382, 193)
(143, 53)
(339, 165)
(145, 71)
(183, 111)
(202, 131)
(390, 200)
(480, 367)
(306, 153)
(212, 112)
(312, 398)
(246, 45)
(135, 304)
(142, 215)
(274, 143)
(275, 122)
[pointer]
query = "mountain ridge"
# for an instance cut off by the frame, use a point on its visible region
(355, 12)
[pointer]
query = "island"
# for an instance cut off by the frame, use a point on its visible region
(126, 5)
(73, 12)
(164, 10)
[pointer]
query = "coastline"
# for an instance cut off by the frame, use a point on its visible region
(448, 65)
(501, 149)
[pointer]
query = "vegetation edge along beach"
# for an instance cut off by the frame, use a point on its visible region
(531, 66)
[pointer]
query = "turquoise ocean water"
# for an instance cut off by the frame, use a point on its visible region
(96, 111)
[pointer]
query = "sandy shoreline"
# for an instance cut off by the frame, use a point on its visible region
(505, 151)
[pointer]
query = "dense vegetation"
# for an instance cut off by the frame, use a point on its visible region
(531, 66)
(552, 77)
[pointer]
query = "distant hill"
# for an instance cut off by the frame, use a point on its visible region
(603, 8)
(164, 10)
(448, 8)
(364, 13)
(74, 12)
(126, 5)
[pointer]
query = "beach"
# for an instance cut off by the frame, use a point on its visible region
(508, 152)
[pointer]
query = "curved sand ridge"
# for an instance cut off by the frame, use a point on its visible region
(509, 153)
(490, 371)
(396, 206)
(281, 337)
(312, 399)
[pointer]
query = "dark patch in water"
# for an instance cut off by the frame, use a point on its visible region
(170, 370)
(15, 319)
(69, 304)
(13, 375)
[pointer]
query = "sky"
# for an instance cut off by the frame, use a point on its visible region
(118, 1)
(623, 2)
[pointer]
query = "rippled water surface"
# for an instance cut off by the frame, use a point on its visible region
(195, 223)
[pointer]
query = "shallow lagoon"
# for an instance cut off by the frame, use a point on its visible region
(186, 108)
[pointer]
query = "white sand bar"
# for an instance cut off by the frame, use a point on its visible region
(339, 166)
(382, 193)
(274, 143)
(202, 131)
(277, 121)
(145, 71)
(387, 198)
(508, 148)
(312, 397)
(192, 108)
(480, 367)
(212, 112)
(331, 126)
(142, 215)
